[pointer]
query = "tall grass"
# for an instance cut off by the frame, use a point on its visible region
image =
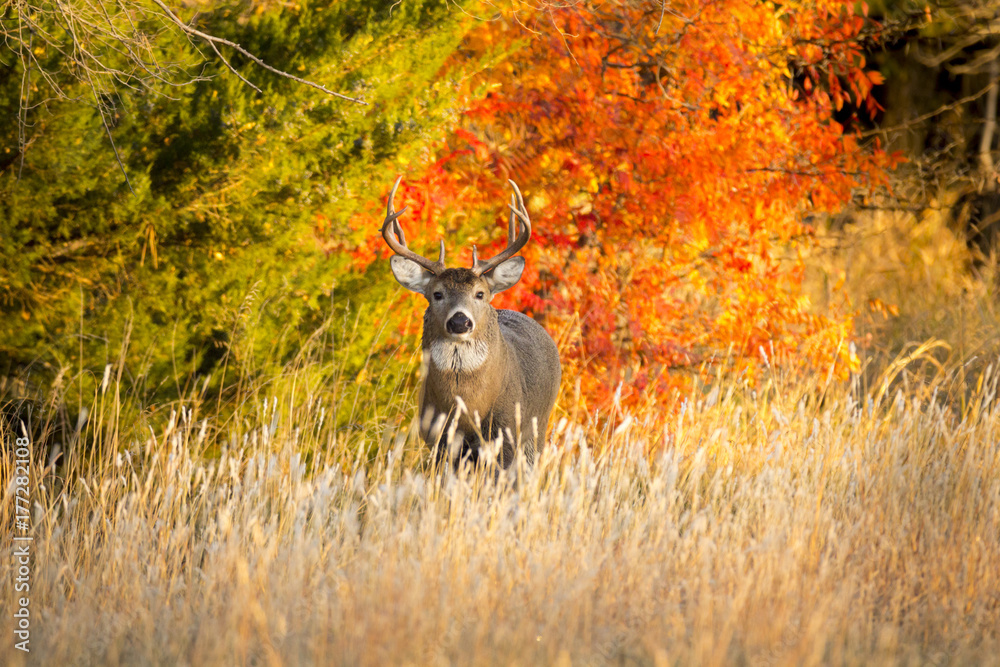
(922, 296)
(799, 522)
(767, 526)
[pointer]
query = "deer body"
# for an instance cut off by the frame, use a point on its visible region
(490, 374)
(518, 377)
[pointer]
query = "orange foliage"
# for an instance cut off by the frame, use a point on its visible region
(671, 157)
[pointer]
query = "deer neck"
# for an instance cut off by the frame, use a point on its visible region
(473, 370)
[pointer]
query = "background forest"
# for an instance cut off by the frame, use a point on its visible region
(764, 239)
(184, 217)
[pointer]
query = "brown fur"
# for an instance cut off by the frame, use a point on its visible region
(521, 368)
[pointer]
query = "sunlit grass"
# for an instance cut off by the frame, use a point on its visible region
(750, 526)
(921, 296)
(799, 521)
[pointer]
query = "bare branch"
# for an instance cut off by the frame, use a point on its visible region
(97, 98)
(986, 141)
(22, 111)
(927, 116)
(107, 46)
(944, 56)
(231, 68)
(987, 58)
(212, 39)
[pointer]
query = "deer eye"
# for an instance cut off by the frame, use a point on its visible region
(480, 295)
(438, 296)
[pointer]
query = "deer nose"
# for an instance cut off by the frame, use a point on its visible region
(459, 323)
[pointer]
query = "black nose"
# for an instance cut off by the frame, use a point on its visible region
(459, 324)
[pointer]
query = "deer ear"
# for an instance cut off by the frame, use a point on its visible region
(409, 274)
(505, 275)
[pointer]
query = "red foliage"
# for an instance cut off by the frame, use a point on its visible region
(670, 156)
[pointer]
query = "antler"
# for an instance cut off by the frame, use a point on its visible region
(393, 234)
(518, 214)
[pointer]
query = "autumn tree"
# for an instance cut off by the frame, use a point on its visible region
(674, 156)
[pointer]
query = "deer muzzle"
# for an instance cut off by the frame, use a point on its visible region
(459, 324)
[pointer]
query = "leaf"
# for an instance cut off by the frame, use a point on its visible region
(664, 202)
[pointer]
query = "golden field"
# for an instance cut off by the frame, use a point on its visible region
(802, 521)
(760, 528)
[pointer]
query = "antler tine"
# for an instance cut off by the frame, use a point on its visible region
(512, 221)
(394, 237)
(389, 210)
(518, 218)
(397, 229)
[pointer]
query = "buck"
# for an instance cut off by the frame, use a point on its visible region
(490, 373)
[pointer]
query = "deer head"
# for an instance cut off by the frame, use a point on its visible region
(459, 298)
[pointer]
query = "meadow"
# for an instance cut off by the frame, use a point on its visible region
(198, 349)
(798, 521)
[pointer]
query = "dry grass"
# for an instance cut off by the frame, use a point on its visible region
(920, 294)
(799, 523)
(759, 527)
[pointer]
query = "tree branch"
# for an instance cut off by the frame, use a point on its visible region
(70, 30)
(927, 116)
(213, 40)
(986, 141)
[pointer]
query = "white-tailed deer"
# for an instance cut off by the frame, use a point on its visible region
(489, 373)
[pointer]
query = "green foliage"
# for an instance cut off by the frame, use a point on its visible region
(218, 258)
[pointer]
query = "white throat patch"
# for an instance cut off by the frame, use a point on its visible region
(459, 356)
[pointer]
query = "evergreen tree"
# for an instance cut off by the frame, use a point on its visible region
(232, 192)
